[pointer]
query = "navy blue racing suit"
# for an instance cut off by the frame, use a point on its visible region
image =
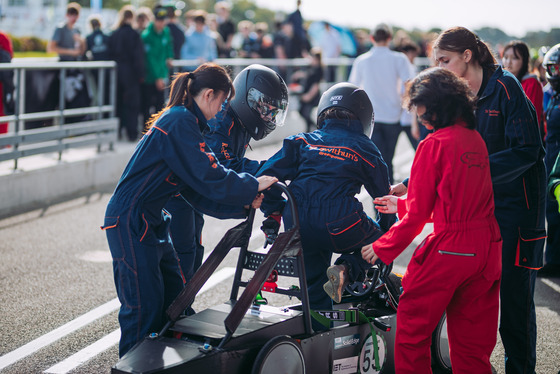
(507, 122)
(229, 140)
(172, 157)
(327, 169)
(552, 253)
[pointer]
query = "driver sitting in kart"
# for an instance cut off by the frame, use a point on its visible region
(327, 168)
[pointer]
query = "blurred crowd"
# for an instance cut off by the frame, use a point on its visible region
(165, 33)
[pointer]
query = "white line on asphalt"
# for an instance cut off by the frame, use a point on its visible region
(85, 354)
(551, 284)
(217, 278)
(108, 341)
(58, 333)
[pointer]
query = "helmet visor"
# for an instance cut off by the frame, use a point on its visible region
(553, 70)
(271, 110)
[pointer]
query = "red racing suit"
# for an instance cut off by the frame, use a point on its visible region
(457, 267)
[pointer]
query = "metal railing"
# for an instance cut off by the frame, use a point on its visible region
(284, 66)
(102, 126)
(99, 124)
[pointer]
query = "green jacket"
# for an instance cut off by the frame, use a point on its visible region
(158, 48)
(554, 178)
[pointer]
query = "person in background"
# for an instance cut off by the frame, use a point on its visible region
(177, 31)
(144, 16)
(408, 120)
(296, 20)
(311, 91)
(551, 64)
(363, 41)
(381, 73)
(212, 23)
(199, 44)
(171, 157)
(259, 106)
(327, 169)
(158, 51)
(450, 185)
(331, 45)
(245, 41)
(68, 43)
(127, 50)
(265, 42)
(97, 49)
(507, 122)
(6, 79)
(515, 59)
(226, 27)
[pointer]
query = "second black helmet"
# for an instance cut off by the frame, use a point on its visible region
(352, 98)
(551, 63)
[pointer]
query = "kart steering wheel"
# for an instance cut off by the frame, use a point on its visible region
(361, 288)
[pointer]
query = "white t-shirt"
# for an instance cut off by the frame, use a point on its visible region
(381, 73)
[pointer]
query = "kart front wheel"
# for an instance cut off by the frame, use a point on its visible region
(281, 354)
(441, 361)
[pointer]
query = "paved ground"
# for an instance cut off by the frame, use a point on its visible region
(57, 305)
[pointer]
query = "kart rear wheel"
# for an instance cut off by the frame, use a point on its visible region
(394, 286)
(281, 354)
(441, 361)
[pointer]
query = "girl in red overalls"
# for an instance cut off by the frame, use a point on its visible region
(457, 268)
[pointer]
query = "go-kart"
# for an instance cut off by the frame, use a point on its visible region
(245, 335)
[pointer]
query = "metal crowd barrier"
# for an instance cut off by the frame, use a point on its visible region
(101, 125)
(33, 130)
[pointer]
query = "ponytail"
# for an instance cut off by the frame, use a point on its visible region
(459, 39)
(186, 86)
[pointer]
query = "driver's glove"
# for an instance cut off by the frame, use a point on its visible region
(270, 227)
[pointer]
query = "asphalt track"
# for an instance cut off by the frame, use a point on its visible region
(58, 307)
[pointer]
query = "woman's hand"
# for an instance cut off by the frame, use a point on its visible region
(386, 204)
(368, 254)
(266, 181)
(398, 189)
(256, 204)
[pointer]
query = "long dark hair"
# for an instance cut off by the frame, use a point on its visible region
(447, 98)
(185, 86)
(520, 49)
(126, 15)
(459, 39)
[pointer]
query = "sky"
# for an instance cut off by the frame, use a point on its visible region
(515, 17)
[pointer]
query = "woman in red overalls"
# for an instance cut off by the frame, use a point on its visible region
(457, 268)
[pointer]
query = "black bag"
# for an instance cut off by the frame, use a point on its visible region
(7, 80)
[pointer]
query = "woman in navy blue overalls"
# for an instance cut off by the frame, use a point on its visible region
(172, 157)
(260, 104)
(327, 169)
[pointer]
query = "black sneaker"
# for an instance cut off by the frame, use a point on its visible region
(338, 280)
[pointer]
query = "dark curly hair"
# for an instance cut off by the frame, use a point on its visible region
(447, 98)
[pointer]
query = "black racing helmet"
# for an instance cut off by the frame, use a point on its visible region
(261, 100)
(352, 98)
(551, 63)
